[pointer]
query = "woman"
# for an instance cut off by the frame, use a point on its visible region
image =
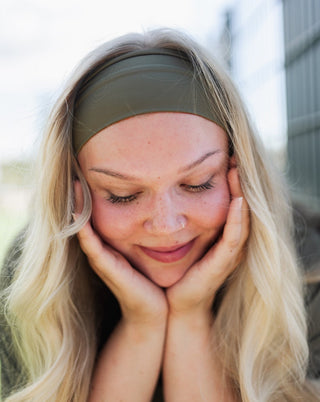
(149, 159)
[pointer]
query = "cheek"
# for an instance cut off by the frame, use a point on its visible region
(213, 209)
(114, 222)
(111, 222)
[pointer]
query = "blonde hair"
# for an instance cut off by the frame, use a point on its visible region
(260, 324)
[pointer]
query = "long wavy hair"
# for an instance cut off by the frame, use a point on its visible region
(52, 307)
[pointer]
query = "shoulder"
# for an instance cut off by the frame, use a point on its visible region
(307, 230)
(313, 314)
(11, 259)
(10, 369)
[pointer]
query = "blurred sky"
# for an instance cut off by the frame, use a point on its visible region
(42, 40)
(259, 67)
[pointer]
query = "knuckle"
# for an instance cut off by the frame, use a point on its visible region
(232, 241)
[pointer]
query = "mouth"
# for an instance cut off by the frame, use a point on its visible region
(168, 254)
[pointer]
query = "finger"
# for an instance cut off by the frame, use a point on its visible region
(214, 267)
(108, 263)
(90, 243)
(233, 228)
(135, 293)
(226, 254)
(234, 183)
(78, 197)
(229, 251)
(236, 192)
(236, 229)
(204, 279)
(222, 259)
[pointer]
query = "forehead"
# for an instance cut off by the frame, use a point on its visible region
(154, 141)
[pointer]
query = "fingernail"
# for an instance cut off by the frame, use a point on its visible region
(239, 202)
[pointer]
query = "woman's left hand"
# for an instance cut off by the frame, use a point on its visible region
(196, 291)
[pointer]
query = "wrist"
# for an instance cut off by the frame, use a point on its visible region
(189, 306)
(145, 314)
(145, 323)
(195, 320)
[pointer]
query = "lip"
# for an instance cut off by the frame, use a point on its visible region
(168, 254)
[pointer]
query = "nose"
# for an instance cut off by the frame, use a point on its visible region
(165, 216)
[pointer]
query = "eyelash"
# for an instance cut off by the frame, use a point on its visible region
(115, 199)
(201, 187)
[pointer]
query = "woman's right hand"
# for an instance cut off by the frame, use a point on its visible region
(142, 302)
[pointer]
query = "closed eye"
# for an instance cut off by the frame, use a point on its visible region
(116, 199)
(199, 188)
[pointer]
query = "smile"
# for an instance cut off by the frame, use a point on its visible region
(168, 254)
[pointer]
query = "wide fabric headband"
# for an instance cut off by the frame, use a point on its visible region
(139, 82)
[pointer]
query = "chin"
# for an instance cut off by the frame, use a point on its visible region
(165, 283)
(167, 280)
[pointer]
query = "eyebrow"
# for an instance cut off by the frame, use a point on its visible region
(113, 173)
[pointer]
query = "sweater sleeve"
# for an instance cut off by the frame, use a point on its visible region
(313, 311)
(307, 237)
(11, 373)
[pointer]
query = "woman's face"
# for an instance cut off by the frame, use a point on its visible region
(159, 190)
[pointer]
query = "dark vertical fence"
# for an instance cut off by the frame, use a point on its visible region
(302, 64)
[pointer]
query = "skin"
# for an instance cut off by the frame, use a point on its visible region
(183, 187)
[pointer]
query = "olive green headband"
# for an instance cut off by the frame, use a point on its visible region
(139, 82)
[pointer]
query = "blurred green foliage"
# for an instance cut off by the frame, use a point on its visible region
(10, 225)
(15, 186)
(17, 173)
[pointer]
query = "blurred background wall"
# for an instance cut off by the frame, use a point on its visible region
(271, 48)
(302, 66)
(275, 58)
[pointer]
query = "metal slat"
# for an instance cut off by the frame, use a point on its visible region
(302, 63)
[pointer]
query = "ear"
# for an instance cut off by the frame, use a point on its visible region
(78, 197)
(232, 162)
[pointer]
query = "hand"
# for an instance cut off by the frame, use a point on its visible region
(141, 301)
(196, 291)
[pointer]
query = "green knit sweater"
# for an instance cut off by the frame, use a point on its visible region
(12, 377)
